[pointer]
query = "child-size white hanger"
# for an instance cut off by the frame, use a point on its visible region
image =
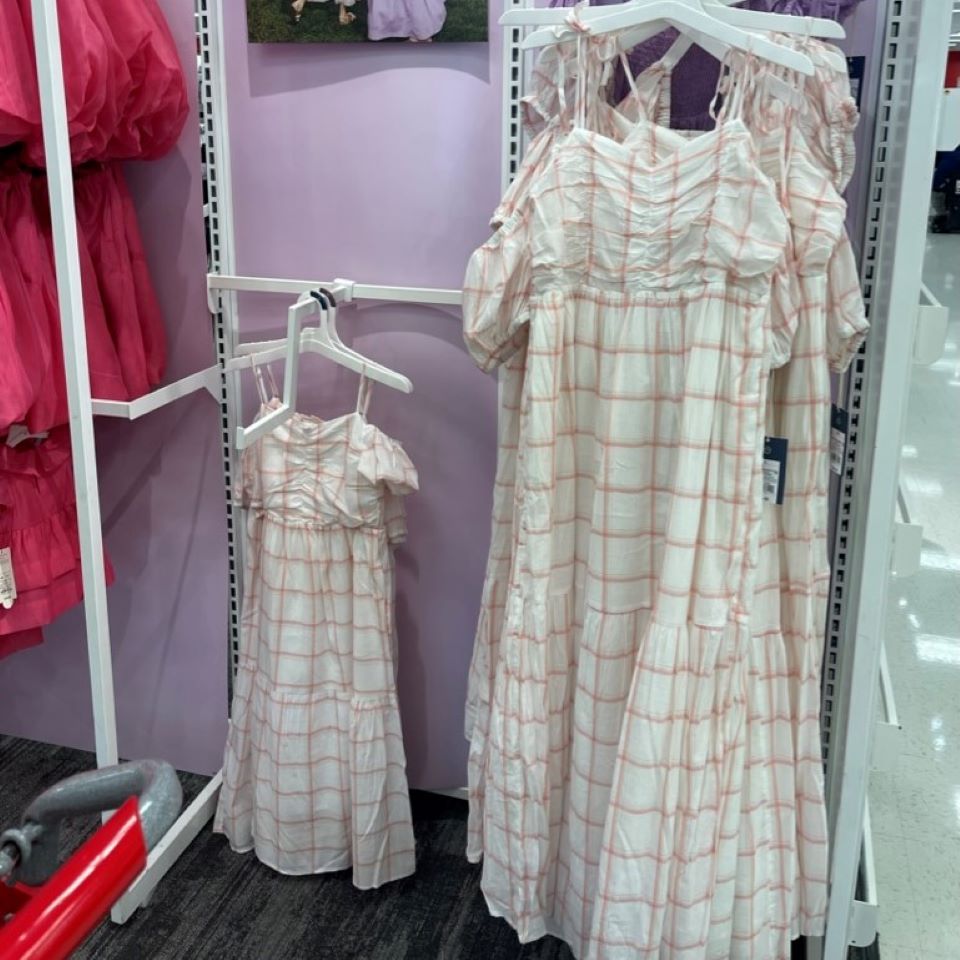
(297, 342)
(327, 343)
(286, 409)
(328, 307)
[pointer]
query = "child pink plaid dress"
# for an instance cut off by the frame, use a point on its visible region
(314, 770)
(640, 286)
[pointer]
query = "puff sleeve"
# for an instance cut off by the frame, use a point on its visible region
(385, 464)
(846, 317)
(535, 161)
(496, 293)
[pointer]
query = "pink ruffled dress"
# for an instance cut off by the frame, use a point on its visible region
(126, 90)
(126, 98)
(38, 523)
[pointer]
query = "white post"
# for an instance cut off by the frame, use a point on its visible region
(890, 353)
(512, 131)
(56, 142)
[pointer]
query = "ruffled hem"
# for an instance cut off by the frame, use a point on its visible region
(22, 640)
(476, 771)
(37, 608)
(767, 858)
(45, 551)
(315, 782)
(804, 650)
(477, 715)
(647, 737)
(671, 840)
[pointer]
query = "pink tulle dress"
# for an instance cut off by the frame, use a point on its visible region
(19, 106)
(38, 523)
(126, 90)
(126, 98)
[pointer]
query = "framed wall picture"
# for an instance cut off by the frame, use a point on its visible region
(360, 21)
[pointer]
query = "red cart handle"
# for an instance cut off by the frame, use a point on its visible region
(62, 913)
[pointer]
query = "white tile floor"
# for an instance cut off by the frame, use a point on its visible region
(915, 807)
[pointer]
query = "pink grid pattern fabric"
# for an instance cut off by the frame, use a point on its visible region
(781, 878)
(784, 808)
(640, 286)
(790, 598)
(314, 767)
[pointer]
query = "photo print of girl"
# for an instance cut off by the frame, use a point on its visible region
(358, 21)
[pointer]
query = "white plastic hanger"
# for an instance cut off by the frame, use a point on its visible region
(328, 313)
(776, 86)
(747, 19)
(317, 339)
(639, 19)
(270, 421)
(775, 22)
(328, 344)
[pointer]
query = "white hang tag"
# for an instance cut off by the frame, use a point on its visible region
(8, 585)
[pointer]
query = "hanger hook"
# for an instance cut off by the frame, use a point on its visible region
(331, 299)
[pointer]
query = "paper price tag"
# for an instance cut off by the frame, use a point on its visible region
(8, 585)
(774, 469)
(838, 438)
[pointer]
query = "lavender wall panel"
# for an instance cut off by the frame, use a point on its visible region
(381, 164)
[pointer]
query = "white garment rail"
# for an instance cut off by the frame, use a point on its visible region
(346, 290)
(208, 379)
(914, 53)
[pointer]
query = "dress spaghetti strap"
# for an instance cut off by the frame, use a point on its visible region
(363, 395)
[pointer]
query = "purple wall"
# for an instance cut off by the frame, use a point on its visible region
(163, 516)
(381, 164)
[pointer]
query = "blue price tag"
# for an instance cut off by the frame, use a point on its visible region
(838, 438)
(774, 468)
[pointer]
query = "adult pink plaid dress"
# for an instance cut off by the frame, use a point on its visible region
(640, 286)
(781, 875)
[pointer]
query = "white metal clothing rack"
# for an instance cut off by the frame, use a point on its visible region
(345, 291)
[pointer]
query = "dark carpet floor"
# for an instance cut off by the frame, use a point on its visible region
(216, 904)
